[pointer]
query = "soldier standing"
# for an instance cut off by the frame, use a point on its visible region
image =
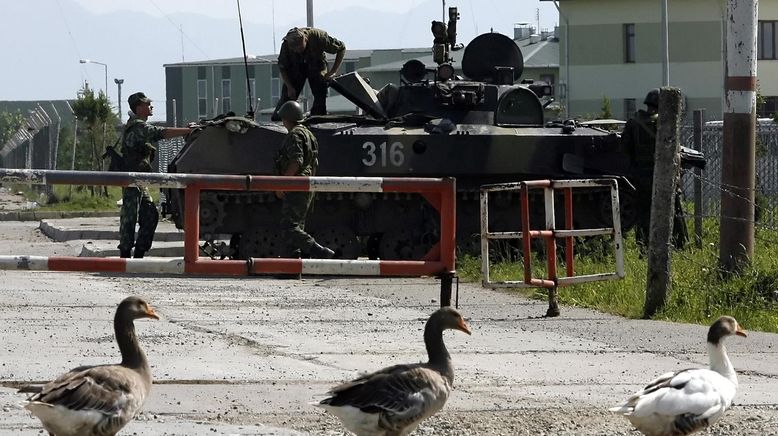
(639, 139)
(302, 57)
(138, 151)
(298, 156)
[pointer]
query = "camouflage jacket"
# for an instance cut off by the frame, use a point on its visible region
(319, 42)
(299, 146)
(137, 144)
(639, 138)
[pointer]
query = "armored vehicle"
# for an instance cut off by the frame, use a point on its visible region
(482, 128)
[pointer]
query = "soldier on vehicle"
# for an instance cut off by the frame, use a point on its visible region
(639, 139)
(302, 58)
(298, 156)
(137, 151)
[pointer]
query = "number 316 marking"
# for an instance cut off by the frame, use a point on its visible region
(392, 154)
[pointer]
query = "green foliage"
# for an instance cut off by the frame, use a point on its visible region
(605, 109)
(9, 124)
(698, 295)
(96, 117)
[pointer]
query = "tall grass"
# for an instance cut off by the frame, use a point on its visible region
(699, 292)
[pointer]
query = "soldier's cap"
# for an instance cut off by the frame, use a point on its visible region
(136, 99)
(294, 37)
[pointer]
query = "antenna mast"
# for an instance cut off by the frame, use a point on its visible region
(246, 64)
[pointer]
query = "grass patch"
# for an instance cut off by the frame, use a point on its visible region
(76, 197)
(699, 294)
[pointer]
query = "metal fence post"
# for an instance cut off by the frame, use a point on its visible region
(699, 119)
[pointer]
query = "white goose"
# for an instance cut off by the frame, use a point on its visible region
(98, 400)
(683, 402)
(394, 400)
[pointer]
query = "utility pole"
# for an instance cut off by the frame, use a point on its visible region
(309, 13)
(667, 164)
(665, 46)
(739, 151)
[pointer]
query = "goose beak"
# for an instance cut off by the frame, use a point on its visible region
(150, 313)
(462, 326)
(741, 332)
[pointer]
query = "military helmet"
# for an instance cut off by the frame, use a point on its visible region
(291, 111)
(652, 98)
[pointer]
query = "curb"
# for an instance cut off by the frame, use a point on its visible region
(32, 215)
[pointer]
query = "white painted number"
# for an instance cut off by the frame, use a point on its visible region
(394, 154)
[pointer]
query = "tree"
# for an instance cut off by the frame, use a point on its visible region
(605, 109)
(9, 124)
(95, 112)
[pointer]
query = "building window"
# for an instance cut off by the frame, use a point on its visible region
(630, 107)
(629, 43)
(549, 78)
(275, 85)
(226, 94)
(766, 40)
(251, 95)
(202, 98)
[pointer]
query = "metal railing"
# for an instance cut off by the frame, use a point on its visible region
(550, 233)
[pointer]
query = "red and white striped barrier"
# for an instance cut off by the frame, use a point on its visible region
(439, 261)
(177, 265)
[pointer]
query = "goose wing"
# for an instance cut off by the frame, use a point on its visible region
(401, 395)
(107, 389)
(695, 398)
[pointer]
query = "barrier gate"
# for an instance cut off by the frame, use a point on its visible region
(439, 261)
(550, 234)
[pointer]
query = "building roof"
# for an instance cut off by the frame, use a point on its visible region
(543, 54)
(262, 59)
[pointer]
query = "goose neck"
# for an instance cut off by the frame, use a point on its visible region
(719, 361)
(436, 349)
(132, 355)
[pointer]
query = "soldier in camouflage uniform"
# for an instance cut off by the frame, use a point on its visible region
(302, 57)
(639, 139)
(298, 156)
(137, 152)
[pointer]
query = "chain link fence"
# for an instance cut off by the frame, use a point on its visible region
(766, 168)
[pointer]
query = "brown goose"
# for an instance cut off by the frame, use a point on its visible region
(394, 400)
(684, 402)
(99, 400)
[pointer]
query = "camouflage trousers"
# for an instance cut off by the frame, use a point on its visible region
(294, 211)
(137, 207)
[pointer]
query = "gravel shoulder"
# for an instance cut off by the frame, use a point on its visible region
(247, 355)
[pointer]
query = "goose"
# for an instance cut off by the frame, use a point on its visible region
(684, 402)
(394, 400)
(98, 400)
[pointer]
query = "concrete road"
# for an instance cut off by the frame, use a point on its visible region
(246, 356)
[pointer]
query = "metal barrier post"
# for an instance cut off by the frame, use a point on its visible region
(191, 225)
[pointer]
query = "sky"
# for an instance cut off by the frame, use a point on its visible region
(50, 36)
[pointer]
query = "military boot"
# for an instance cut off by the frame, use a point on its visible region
(139, 254)
(319, 252)
(124, 253)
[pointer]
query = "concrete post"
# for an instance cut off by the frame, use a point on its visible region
(739, 150)
(666, 169)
